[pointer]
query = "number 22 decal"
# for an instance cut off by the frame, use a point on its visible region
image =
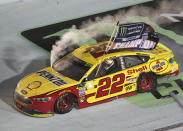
(106, 83)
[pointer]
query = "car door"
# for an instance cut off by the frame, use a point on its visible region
(133, 66)
(105, 81)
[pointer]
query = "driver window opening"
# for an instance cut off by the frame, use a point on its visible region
(107, 67)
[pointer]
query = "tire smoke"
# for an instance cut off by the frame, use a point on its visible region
(100, 25)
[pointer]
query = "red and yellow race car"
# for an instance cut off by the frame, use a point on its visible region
(87, 77)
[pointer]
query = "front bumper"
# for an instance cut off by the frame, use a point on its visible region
(34, 109)
(173, 73)
(30, 112)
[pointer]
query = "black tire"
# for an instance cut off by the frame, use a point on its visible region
(64, 103)
(146, 82)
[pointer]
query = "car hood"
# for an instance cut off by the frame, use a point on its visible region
(43, 81)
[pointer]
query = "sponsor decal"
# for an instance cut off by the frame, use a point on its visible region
(81, 93)
(34, 85)
(128, 32)
(97, 50)
(132, 71)
(159, 65)
(123, 31)
(131, 79)
(82, 99)
(52, 78)
(128, 88)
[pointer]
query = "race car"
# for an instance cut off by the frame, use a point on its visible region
(88, 76)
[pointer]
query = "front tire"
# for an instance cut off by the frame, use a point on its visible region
(64, 103)
(147, 82)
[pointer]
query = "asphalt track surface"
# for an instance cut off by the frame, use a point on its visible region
(19, 58)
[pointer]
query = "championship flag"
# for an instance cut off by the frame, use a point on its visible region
(135, 36)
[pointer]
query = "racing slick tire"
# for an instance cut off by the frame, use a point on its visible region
(64, 103)
(146, 82)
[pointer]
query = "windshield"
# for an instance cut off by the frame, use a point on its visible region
(72, 67)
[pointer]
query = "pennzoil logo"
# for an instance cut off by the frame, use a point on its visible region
(52, 78)
(159, 65)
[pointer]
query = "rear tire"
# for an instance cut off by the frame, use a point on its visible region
(64, 103)
(147, 82)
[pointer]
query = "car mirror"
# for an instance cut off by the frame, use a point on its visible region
(85, 80)
(83, 83)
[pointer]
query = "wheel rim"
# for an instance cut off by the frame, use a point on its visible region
(65, 103)
(146, 83)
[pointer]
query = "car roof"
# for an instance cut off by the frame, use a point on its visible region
(94, 52)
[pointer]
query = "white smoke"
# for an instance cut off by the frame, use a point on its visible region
(94, 28)
(68, 42)
(59, 49)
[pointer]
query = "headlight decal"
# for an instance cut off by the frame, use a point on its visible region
(24, 92)
(22, 99)
(46, 99)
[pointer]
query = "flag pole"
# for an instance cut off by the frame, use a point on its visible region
(108, 45)
(109, 42)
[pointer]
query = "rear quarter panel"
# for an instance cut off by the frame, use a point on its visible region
(159, 64)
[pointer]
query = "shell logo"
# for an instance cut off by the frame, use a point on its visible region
(34, 85)
(159, 65)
